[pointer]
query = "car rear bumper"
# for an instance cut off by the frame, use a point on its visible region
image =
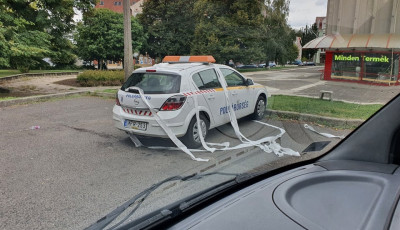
(177, 125)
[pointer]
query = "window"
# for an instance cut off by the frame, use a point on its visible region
(154, 83)
(101, 3)
(206, 79)
(232, 78)
(365, 66)
(117, 3)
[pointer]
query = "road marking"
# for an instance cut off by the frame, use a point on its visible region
(308, 86)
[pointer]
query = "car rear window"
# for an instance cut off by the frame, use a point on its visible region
(154, 83)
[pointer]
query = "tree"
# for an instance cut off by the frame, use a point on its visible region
(230, 29)
(101, 36)
(170, 26)
(32, 30)
(278, 45)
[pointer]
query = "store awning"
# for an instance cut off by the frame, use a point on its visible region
(341, 41)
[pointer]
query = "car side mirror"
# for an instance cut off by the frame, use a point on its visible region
(249, 82)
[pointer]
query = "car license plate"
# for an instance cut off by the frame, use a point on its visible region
(138, 125)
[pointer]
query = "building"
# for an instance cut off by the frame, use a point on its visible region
(299, 47)
(321, 25)
(137, 7)
(362, 41)
(114, 5)
(319, 56)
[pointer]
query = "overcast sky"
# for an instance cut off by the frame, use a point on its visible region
(303, 12)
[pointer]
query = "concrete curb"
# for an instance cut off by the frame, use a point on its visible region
(17, 76)
(25, 100)
(330, 121)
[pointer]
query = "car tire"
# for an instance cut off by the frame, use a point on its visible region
(192, 138)
(259, 109)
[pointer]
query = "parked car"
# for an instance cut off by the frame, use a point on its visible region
(169, 89)
(247, 66)
(271, 64)
(262, 65)
(309, 63)
(297, 62)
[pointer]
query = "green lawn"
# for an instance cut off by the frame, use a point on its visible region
(322, 107)
(110, 91)
(9, 72)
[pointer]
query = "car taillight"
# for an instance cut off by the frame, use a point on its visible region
(117, 100)
(173, 103)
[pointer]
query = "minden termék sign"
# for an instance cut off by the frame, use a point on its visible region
(342, 57)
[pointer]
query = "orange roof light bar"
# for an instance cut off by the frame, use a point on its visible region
(185, 59)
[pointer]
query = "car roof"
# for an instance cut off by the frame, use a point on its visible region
(179, 67)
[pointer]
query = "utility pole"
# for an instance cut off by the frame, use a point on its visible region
(128, 59)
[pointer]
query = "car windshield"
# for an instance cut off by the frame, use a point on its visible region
(154, 83)
(274, 83)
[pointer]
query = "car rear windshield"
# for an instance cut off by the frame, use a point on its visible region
(154, 83)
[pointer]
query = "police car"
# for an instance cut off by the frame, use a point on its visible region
(170, 88)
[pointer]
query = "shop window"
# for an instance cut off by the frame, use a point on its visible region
(346, 65)
(379, 66)
(366, 66)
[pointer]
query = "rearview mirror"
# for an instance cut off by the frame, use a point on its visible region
(249, 82)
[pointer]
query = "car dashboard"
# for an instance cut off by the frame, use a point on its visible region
(332, 194)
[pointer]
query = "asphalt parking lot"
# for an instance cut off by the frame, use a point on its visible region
(77, 167)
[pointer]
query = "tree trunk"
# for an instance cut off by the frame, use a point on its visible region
(128, 67)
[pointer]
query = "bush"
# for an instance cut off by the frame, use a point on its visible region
(101, 78)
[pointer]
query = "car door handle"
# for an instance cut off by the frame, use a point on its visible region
(211, 97)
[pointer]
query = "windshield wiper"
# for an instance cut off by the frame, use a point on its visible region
(139, 198)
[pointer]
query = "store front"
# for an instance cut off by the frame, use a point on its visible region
(363, 67)
(360, 58)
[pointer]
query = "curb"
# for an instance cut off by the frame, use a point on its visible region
(330, 121)
(17, 76)
(25, 100)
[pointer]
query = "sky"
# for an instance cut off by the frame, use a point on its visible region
(304, 12)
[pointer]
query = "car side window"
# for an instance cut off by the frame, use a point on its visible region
(232, 78)
(197, 80)
(206, 79)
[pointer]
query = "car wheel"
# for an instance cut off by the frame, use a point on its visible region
(192, 136)
(259, 110)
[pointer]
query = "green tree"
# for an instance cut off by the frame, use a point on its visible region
(170, 26)
(230, 29)
(278, 45)
(32, 30)
(101, 36)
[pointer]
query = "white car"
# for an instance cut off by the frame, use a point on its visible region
(170, 88)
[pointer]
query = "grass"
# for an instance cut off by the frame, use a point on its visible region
(7, 98)
(101, 78)
(109, 90)
(314, 106)
(9, 72)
